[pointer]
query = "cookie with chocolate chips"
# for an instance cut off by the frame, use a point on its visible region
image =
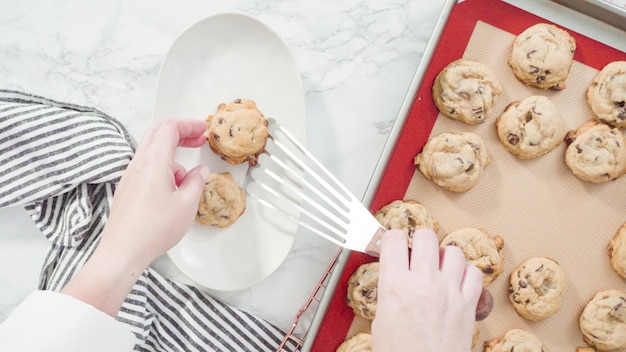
(603, 321)
(607, 94)
(362, 294)
(542, 55)
(222, 201)
(480, 249)
(617, 251)
(406, 215)
(361, 342)
(536, 288)
(515, 340)
(596, 152)
(454, 161)
(237, 132)
(466, 91)
(531, 127)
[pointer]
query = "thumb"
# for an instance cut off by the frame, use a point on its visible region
(192, 184)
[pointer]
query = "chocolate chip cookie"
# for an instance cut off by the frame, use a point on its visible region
(362, 294)
(466, 91)
(515, 340)
(406, 215)
(607, 94)
(481, 249)
(531, 127)
(454, 161)
(596, 152)
(542, 55)
(617, 251)
(603, 320)
(222, 201)
(361, 342)
(237, 132)
(537, 287)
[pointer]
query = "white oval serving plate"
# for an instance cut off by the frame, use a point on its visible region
(217, 60)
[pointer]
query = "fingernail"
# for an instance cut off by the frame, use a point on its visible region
(204, 172)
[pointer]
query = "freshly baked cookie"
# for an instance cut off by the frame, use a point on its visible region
(617, 251)
(222, 201)
(542, 55)
(531, 127)
(603, 320)
(515, 340)
(607, 94)
(537, 287)
(361, 342)
(466, 91)
(454, 161)
(596, 152)
(481, 249)
(362, 294)
(237, 132)
(406, 215)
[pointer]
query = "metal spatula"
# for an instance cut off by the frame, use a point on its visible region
(291, 181)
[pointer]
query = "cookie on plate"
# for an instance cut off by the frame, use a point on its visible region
(515, 340)
(222, 201)
(542, 55)
(361, 342)
(362, 294)
(537, 287)
(607, 94)
(466, 91)
(596, 152)
(531, 127)
(237, 132)
(406, 215)
(481, 249)
(603, 320)
(454, 161)
(617, 251)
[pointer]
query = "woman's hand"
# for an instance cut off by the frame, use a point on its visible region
(429, 303)
(153, 207)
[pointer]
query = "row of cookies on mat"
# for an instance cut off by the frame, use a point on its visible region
(541, 57)
(238, 133)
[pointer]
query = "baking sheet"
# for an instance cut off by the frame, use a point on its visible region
(537, 206)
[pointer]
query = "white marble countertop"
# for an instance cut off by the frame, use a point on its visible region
(356, 59)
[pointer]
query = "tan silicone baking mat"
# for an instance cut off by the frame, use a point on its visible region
(538, 206)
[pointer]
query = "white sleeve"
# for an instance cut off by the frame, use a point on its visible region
(52, 321)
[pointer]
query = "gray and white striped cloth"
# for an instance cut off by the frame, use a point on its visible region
(61, 162)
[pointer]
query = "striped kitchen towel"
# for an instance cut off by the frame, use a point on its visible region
(62, 163)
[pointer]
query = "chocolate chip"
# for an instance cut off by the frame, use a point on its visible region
(488, 269)
(513, 139)
(621, 104)
(216, 137)
(534, 70)
(230, 131)
(470, 167)
(529, 117)
(539, 269)
(579, 149)
(237, 101)
(220, 121)
(540, 78)
(452, 112)
(530, 53)
(522, 284)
